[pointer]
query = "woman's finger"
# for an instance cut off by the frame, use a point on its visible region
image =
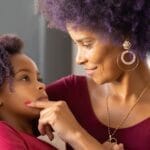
(118, 147)
(41, 104)
(121, 146)
(49, 132)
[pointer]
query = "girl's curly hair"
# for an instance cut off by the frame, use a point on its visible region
(10, 44)
(118, 18)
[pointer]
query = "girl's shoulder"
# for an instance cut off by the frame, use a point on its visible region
(9, 137)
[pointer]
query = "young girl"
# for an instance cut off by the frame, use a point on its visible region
(20, 83)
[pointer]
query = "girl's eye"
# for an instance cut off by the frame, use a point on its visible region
(40, 79)
(25, 78)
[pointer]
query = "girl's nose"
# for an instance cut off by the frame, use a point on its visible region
(41, 86)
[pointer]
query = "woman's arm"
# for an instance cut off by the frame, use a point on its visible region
(58, 116)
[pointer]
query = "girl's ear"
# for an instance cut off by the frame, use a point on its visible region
(1, 104)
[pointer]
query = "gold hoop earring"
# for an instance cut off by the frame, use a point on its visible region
(127, 60)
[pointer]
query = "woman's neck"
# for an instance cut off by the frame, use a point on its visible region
(131, 83)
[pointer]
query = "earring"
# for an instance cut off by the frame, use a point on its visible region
(128, 54)
(128, 60)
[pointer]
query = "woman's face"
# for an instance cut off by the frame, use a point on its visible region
(26, 87)
(96, 54)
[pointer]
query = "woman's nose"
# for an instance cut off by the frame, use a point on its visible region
(80, 57)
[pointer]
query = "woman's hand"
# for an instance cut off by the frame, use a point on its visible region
(112, 146)
(58, 117)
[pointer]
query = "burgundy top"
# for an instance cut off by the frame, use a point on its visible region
(74, 90)
(11, 139)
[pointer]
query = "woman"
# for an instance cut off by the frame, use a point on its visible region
(113, 40)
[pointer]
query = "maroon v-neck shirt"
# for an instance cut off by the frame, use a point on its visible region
(73, 89)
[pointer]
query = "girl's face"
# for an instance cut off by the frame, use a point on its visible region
(26, 87)
(97, 55)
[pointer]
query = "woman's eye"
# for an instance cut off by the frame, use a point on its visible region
(87, 45)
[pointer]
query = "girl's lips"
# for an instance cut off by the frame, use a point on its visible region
(43, 98)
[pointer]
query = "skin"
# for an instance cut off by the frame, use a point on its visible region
(96, 54)
(26, 87)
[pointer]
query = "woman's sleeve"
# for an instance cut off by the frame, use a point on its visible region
(61, 89)
(72, 89)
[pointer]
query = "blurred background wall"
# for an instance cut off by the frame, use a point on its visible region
(50, 49)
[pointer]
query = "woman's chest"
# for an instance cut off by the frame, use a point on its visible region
(119, 115)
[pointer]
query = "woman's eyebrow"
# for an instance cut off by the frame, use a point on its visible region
(84, 39)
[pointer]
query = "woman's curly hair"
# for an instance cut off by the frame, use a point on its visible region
(10, 44)
(118, 18)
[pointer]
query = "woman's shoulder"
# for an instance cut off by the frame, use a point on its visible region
(66, 87)
(71, 78)
(67, 81)
(82, 81)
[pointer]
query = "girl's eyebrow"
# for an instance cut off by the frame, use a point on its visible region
(26, 70)
(22, 70)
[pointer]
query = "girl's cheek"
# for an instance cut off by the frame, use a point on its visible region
(27, 102)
